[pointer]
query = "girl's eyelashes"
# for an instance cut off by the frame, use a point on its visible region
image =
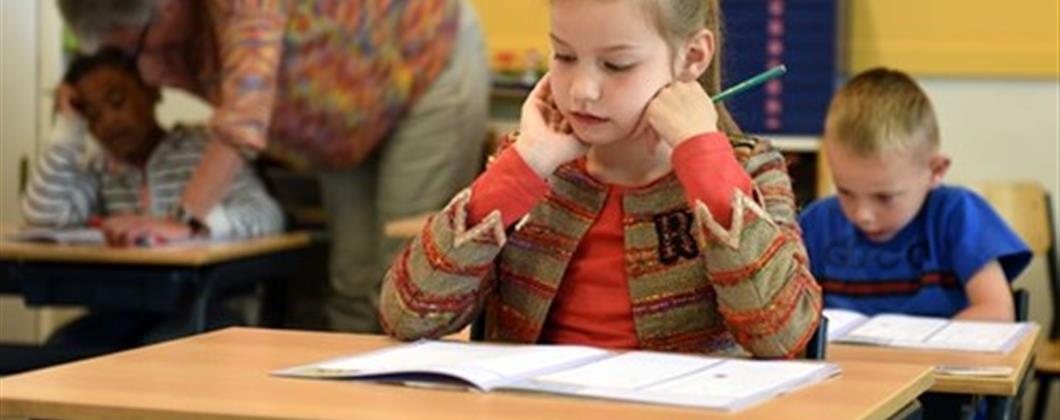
(615, 67)
(610, 66)
(564, 58)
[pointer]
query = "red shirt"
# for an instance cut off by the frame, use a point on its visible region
(592, 306)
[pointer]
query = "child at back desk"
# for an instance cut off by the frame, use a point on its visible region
(896, 239)
(134, 186)
(628, 213)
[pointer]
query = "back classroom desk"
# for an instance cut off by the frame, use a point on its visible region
(1001, 392)
(225, 374)
(163, 279)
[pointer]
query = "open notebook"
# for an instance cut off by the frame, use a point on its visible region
(896, 330)
(650, 377)
(94, 236)
(71, 236)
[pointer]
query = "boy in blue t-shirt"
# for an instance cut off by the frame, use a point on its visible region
(894, 239)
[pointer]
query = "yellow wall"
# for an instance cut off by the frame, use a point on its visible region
(955, 37)
(514, 25)
(926, 37)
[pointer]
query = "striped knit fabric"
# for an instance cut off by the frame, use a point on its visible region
(67, 188)
(695, 286)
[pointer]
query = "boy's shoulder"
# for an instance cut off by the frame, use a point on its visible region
(194, 133)
(185, 139)
(945, 199)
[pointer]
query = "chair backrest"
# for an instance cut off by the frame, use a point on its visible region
(815, 348)
(478, 328)
(1021, 302)
(1027, 208)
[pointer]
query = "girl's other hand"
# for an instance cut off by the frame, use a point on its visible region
(680, 111)
(546, 139)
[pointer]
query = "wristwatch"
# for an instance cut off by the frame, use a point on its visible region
(184, 217)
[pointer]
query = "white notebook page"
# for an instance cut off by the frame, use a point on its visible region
(897, 329)
(842, 321)
(483, 364)
(630, 370)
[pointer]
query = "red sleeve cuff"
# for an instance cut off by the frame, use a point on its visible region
(708, 170)
(508, 185)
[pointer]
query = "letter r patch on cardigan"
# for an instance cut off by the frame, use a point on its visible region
(674, 230)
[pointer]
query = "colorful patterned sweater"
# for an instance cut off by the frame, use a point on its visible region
(327, 80)
(747, 285)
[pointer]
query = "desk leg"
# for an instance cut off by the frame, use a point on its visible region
(200, 306)
(1041, 399)
(911, 411)
(215, 281)
(937, 405)
(1000, 408)
(1009, 407)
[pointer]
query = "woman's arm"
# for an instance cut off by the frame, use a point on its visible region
(249, 35)
(246, 211)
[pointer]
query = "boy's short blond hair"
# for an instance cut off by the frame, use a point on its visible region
(879, 112)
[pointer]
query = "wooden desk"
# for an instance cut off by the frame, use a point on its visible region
(1048, 359)
(224, 374)
(1001, 392)
(1019, 359)
(187, 255)
(407, 227)
(160, 279)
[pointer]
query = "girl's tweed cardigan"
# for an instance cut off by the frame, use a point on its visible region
(695, 286)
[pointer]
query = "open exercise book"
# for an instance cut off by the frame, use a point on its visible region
(660, 378)
(896, 330)
(71, 236)
(94, 236)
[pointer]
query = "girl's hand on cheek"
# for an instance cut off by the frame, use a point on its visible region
(680, 111)
(546, 139)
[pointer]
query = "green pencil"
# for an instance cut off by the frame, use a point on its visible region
(762, 77)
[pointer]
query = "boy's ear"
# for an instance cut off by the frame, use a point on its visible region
(697, 55)
(939, 164)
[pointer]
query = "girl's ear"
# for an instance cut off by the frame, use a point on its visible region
(696, 56)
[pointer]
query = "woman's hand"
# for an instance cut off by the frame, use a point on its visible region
(546, 139)
(680, 111)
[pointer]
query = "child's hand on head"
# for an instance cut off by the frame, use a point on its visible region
(546, 139)
(65, 98)
(680, 111)
(70, 124)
